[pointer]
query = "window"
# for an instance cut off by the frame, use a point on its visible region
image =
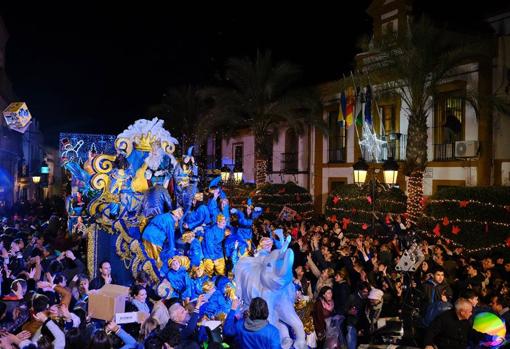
(290, 157)
(388, 118)
(337, 184)
(238, 155)
(217, 152)
(337, 138)
(449, 116)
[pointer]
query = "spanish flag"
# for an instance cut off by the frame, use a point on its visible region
(349, 108)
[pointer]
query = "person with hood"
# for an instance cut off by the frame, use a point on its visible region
(254, 331)
(246, 219)
(179, 279)
(198, 216)
(213, 249)
(220, 301)
(161, 231)
(218, 204)
(193, 248)
(235, 247)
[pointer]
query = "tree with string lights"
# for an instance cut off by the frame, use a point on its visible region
(410, 66)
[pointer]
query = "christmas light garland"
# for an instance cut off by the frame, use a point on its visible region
(415, 198)
(438, 220)
(477, 202)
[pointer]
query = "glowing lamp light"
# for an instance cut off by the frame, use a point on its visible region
(225, 174)
(360, 171)
(36, 179)
(390, 168)
(238, 175)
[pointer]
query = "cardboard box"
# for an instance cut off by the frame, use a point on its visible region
(107, 301)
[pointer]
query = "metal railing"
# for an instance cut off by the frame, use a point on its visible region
(395, 147)
(444, 152)
(290, 162)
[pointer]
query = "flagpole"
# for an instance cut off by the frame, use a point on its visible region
(354, 115)
(383, 131)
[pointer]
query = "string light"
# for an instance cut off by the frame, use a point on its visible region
(477, 202)
(470, 221)
(364, 198)
(466, 250)
(415, 198)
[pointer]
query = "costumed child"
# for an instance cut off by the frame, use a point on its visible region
(212, 248)
(218, 204)
(198, 280)
(235, 247)
(246, 219)
(220, 302)
(198, 216)
(193, 248)
(161, 231)
(179, 278)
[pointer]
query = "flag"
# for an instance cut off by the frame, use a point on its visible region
(368, 105)
(341, 107)
(349, 107)
(359, 108)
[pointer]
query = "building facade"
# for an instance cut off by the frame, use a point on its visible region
(466, 147)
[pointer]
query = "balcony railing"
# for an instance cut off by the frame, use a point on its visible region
(290, 162)
(444, 152)
(337, 155)
(395, 147)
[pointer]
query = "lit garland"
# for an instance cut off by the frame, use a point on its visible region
(415, 198)
(362, 211)
(364, 198)
(477, 202)
(502, 224)
(467, 250)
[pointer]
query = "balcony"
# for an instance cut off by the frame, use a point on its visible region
(395, 147)
(444, 152)
(290, 163)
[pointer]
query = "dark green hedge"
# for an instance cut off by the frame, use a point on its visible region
(478, 222)
(351, 201)
(273, 197)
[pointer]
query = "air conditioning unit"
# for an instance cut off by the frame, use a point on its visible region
(466, 149)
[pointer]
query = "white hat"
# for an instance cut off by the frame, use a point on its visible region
(376, 294)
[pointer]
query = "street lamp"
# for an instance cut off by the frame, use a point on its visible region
(390, 169)
(238, 175)
(225, 174)
(390, 172)
(360, 172)
(36, 179)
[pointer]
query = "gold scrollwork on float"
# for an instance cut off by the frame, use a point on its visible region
(103, 163)
(124, 144)
(168, 147)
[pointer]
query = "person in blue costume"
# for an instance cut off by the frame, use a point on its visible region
(179, 279)
(198, 279)
(245, 219)
(213, 249)
(193, 248)
(255, 331)
(158, 164)
(185, 176)
(235, 247)
(218, 305)
(156, 201)
(198, 216)
(159, 233)
(218, 204)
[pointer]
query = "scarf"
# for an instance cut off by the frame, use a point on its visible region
(141, 306)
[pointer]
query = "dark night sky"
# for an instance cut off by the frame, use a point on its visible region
(97, 70)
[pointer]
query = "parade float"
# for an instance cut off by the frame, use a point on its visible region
(145, 213)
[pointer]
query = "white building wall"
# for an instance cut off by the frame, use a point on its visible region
(227, 151)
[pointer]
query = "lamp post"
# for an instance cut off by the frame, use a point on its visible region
(238, 174)
(225, 174)
(390, 173)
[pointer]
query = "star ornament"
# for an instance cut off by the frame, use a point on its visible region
(370, 143)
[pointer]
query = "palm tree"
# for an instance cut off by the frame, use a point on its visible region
(411, 65)
(184, 108)
(260, 95)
